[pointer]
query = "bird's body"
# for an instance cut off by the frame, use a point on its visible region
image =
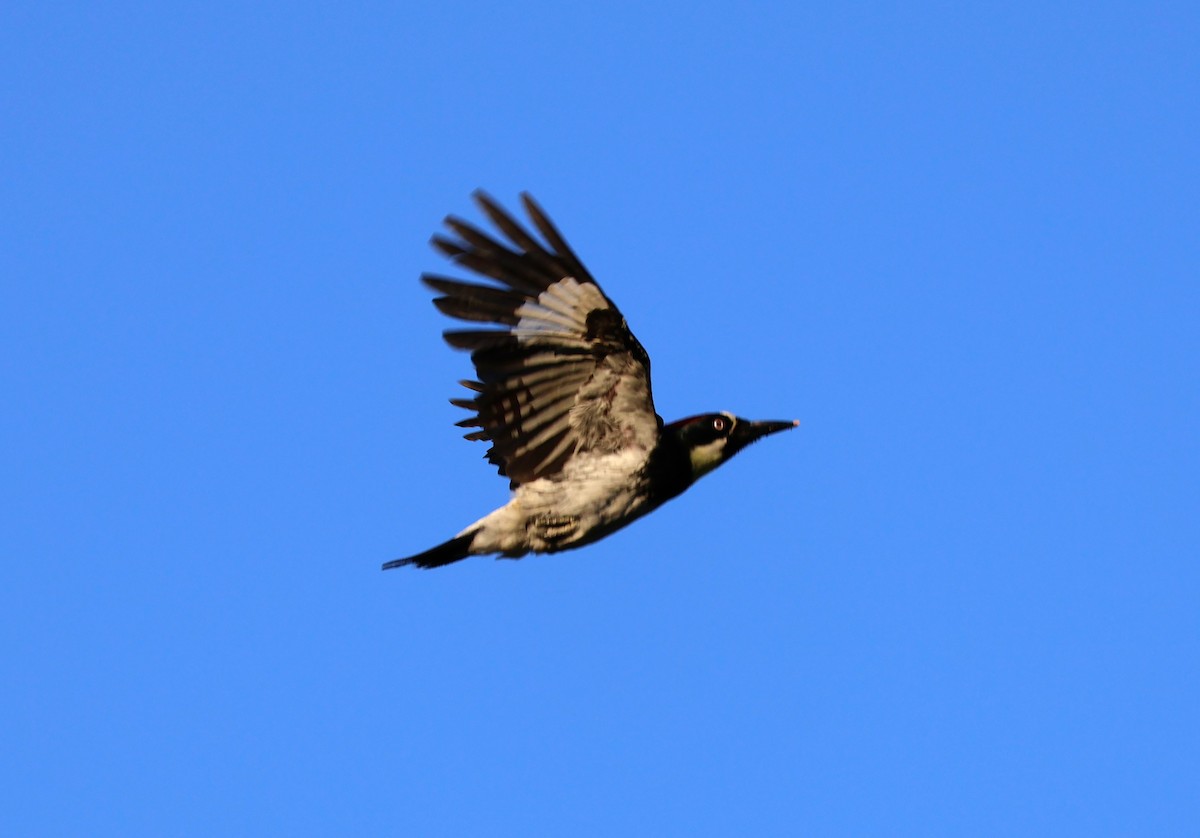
(563, 394)
(589, 500)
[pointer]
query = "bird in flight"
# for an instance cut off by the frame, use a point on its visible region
(563, 396)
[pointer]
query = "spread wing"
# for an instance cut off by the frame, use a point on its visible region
(563, 375)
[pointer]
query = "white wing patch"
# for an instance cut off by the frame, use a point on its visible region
(559, 310)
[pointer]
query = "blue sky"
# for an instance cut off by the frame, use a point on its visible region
(959, 244)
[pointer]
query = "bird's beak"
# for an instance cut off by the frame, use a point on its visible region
(747, 432)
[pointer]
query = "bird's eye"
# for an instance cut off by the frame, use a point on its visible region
(719, 424)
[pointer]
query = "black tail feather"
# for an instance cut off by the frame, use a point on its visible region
(444, 554)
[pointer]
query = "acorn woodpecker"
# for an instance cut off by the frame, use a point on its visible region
(563, 396)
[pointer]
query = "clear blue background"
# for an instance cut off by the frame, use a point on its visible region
(960, 243)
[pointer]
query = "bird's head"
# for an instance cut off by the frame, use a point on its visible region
(713, 438)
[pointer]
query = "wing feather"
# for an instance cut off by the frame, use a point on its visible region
(562, 375)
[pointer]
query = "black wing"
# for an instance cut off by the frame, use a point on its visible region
(564, 375)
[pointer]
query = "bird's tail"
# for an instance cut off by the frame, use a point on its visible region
(453, 550)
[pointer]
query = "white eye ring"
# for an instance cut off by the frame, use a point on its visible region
(719, 423)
